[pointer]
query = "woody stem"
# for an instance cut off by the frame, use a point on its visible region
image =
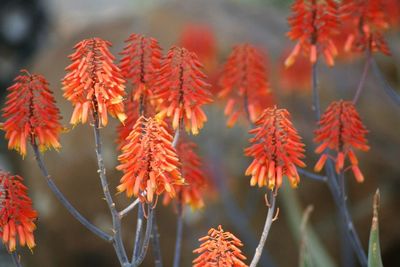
(146, 240)
(116, 221)
(155, 237)
(64, 201)
(179, 233)
(363, 77)
(16, 259)
(267, 227)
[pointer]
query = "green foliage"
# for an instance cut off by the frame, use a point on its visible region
(374, 250)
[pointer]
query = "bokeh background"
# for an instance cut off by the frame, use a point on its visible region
(39, 35)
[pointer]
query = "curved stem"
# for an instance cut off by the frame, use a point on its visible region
(117, 240)
(179, 232)
(363, 77)
(267, 226)
(64, 201)
(146, 238)
(138, 234)
(312, 175)
(131, 206)
(16, 259)
(385, 85)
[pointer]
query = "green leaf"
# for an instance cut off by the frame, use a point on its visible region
(374, 250)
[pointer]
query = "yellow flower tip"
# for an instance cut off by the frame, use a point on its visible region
(289, 61)
(122, 117)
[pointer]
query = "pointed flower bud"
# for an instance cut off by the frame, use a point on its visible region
(276, 149)
(341, 130)
(17, 217)
(31, 114)
(94, 84)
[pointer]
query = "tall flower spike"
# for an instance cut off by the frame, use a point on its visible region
(368, 20)
(31, 114)
(244, 83)
(340, 129)
(276, 149)
(313, 24)
(192, 193)
(181, 89)
(94, 83)
(17, 217)
(139, 64)
(219, 248)
(149, 162)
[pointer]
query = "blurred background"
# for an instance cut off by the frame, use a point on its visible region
(39, 35)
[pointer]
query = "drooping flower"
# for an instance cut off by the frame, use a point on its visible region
(244, 82)
(276, 149)
(313, 25)
(181, 89)
(200, 39)
(367, 20)
(139, 65)
(31, 114)
(191, 193)
(219, 248)
(17, 217)
(149, 162)
(297, 77)
(94, 83)
(341, 130)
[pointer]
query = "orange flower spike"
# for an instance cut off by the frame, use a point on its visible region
(17, 217)
(181, 90)
(277, 149)
(140, 63)
(219, 248)
(31, 114)
(340, 129)
(313, 25)
(192, 192)
(148, 161)
(94, 83)
(367, 20)
(244, 82)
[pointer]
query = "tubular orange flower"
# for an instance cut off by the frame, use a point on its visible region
(30, 113)
(94, 83)
(181, 89)
(219, 248)
(313, 23)
(148, 161)
(244, 83)
(368, 20)
(139, 64)
(340, 129)
(193, 174)
(17, 217)
(276, 149)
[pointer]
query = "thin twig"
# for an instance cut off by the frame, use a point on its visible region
(179, 232)
(16, 259)
(155, 238)
(363, 78)
(385, 85)
(64, 201)
(312, 176)
(138, 234)
(117, 240)
(267, 226)
(125, 211)
(146, 238)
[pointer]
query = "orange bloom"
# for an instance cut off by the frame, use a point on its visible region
(313, 24)
(30, 113)
(219, 248)
(200, 39)
(367, 20)
(297, 77)
(193, 174)
(181, 89)
(340, 129)
(17, 217)
(139, 65)
(276, 149)
(94, 83)
(244, 83)
(149, 162)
